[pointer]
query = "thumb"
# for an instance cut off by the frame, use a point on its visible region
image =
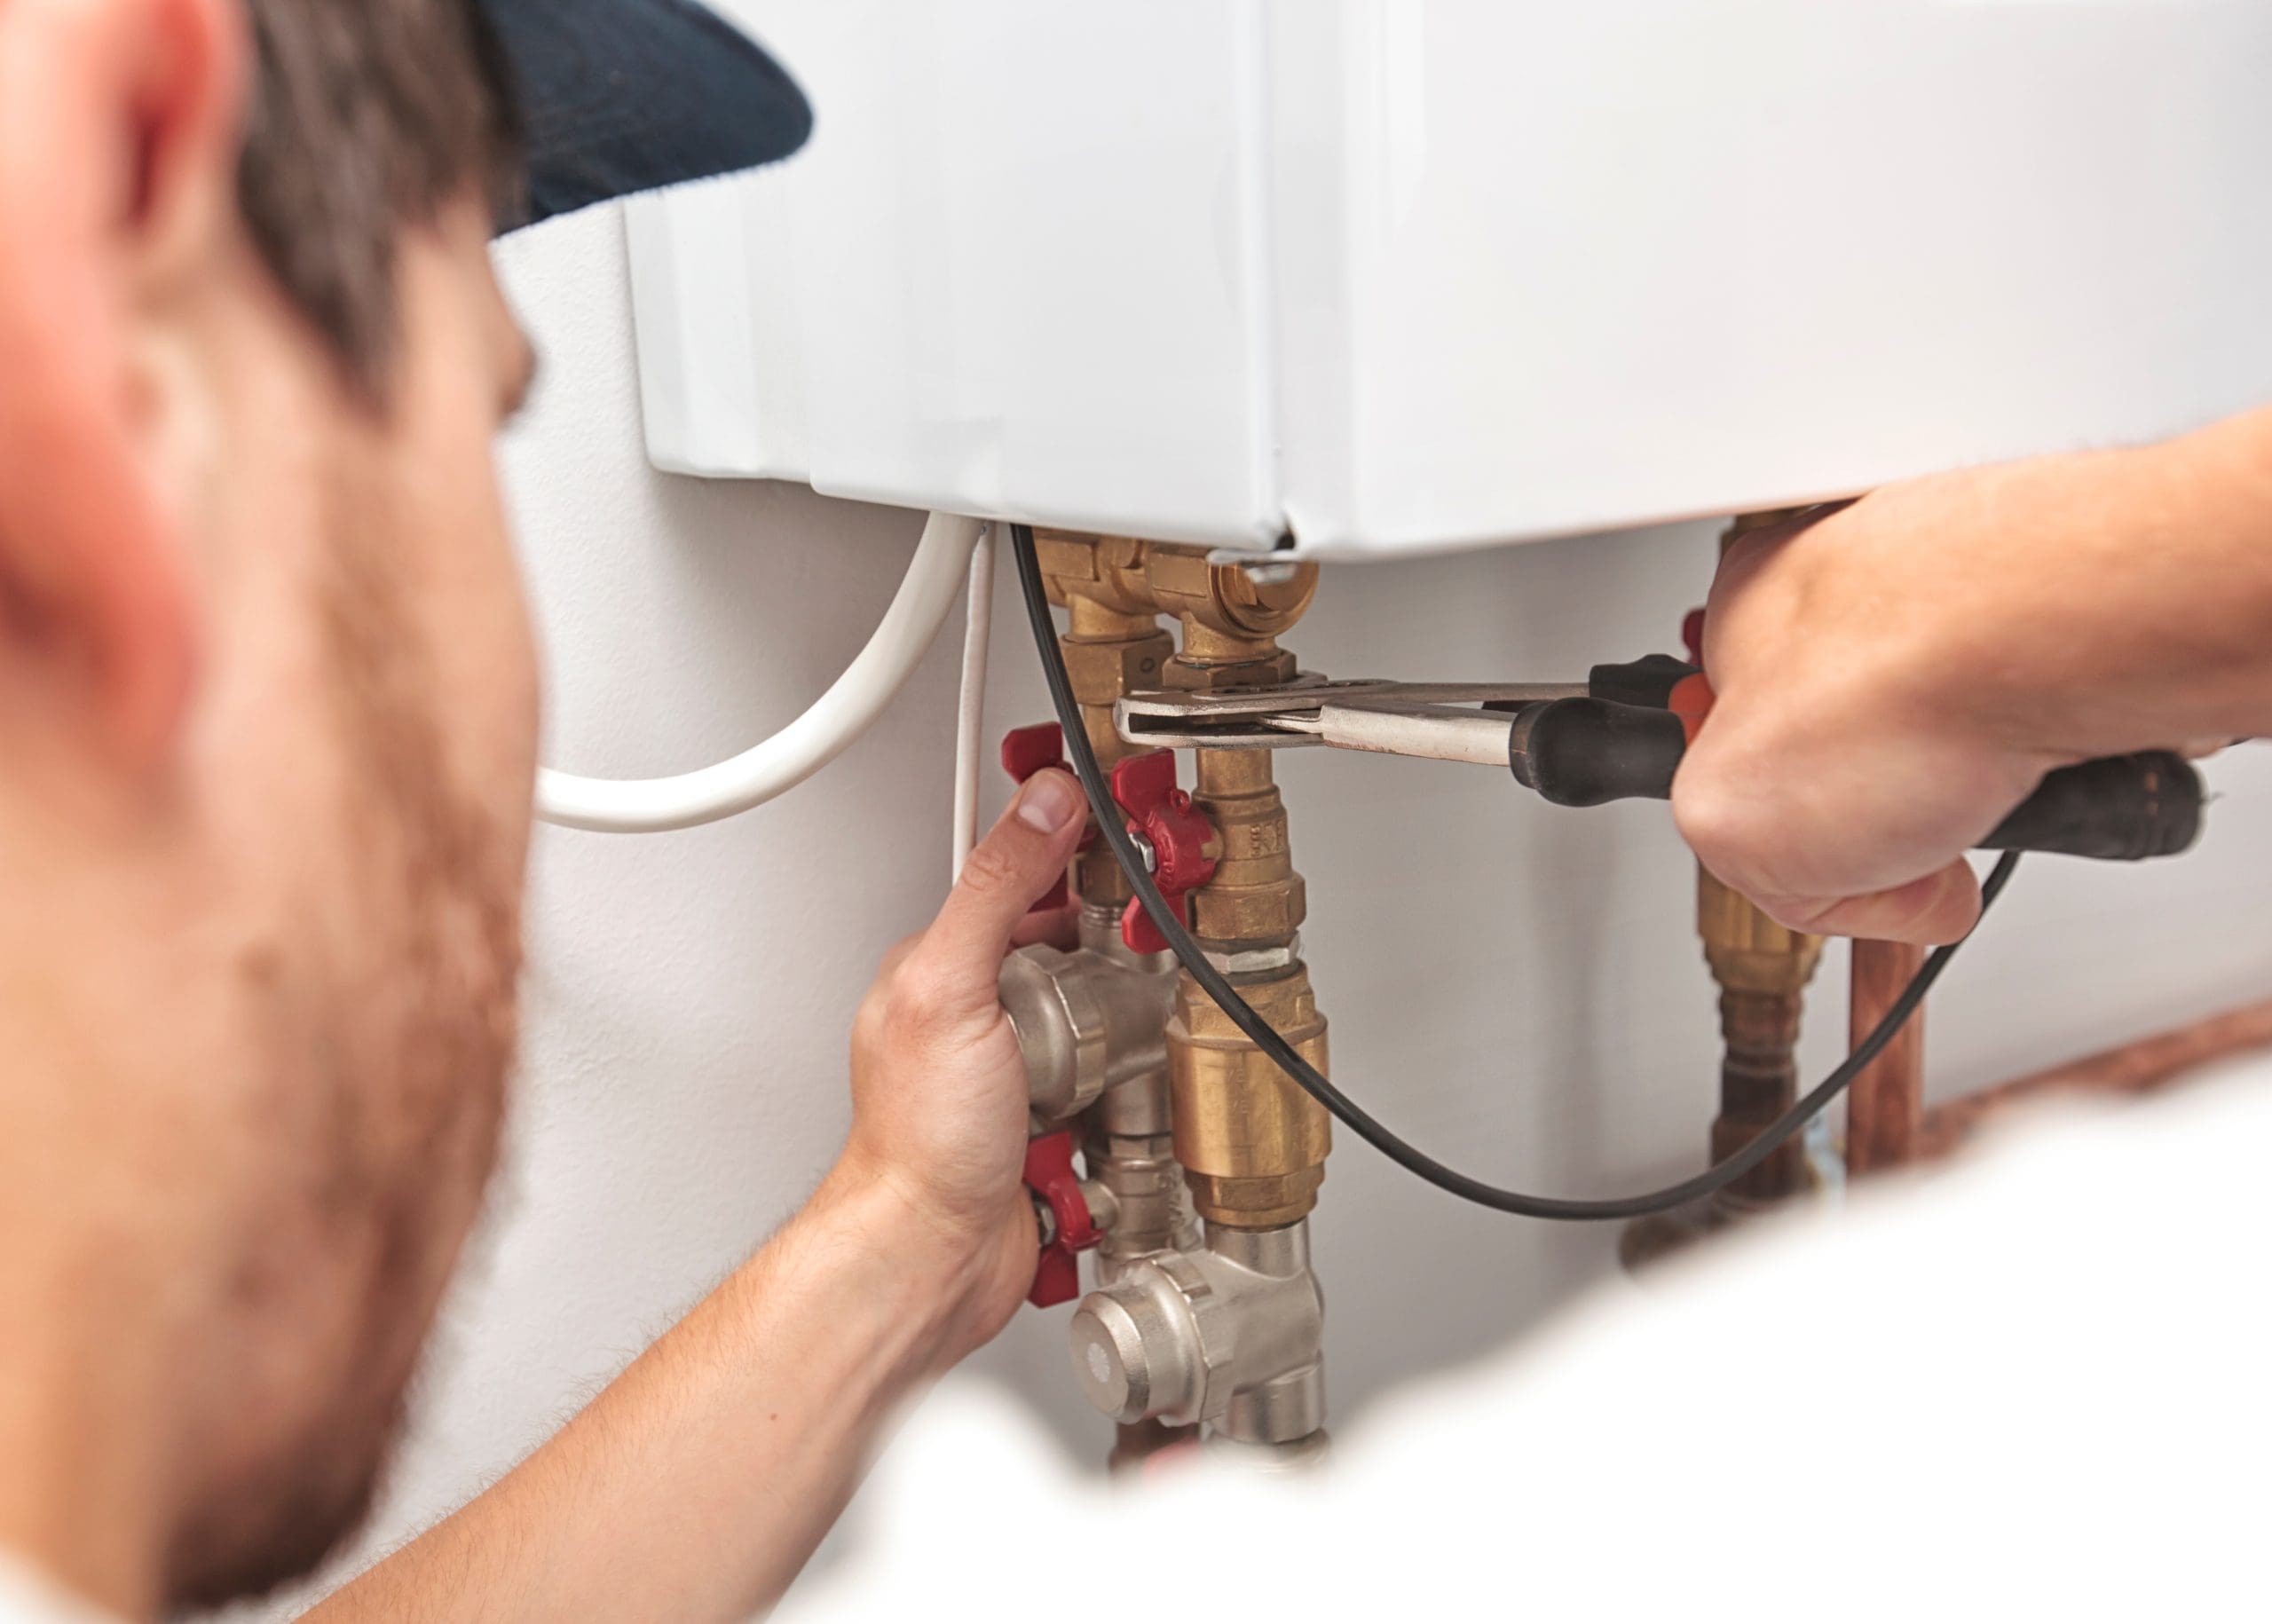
(1941, 908)
(1011, 869)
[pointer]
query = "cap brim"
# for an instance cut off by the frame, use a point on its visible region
(618, 96)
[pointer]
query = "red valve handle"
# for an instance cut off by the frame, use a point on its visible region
(1050, 1176)
(1025, 753)
(1185, 845)
(1693, 698)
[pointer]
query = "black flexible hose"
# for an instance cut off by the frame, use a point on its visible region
(1347, 1111)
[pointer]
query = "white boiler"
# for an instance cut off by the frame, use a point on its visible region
(1387, 275)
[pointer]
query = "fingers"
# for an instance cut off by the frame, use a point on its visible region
(959, 959)
(1860, 837)
(1933, 911)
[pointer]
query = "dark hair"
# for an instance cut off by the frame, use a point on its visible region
(368, 117)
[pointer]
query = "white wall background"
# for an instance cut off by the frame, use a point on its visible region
(1517, 988)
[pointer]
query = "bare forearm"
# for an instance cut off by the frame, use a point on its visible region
(2123, 600)
(698, 1485)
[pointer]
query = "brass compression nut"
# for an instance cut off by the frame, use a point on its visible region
(1252, 1144)
(1748, 951)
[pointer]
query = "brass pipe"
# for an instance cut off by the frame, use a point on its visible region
(1763, 970)
(1252, 1144)
(1114, 646)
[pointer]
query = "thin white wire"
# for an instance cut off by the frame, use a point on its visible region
(926, 598)
(970, 716)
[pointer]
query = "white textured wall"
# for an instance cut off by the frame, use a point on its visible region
(1514, 987)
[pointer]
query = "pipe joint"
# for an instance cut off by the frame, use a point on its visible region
(1230, 1336)
(1086, 1021)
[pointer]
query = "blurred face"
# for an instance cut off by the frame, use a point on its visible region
(363, 759)
(267, 731)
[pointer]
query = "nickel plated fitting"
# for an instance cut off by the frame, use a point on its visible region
(1130, 1142)
(1089, 1021)
(1091, 1025)
(1230, 1336)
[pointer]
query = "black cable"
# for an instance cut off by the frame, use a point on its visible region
(1113, 826)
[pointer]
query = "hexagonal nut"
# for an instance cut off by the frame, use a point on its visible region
(1102, 672)
(1061, 1030)
(1260, 671)
(1264, 913)
(1099, 877)
(1256, 1201)
(1151, 1344)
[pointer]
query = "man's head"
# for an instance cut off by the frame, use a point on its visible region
(267, 723)
(268, 717)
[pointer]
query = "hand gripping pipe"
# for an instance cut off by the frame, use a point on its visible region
(927, 597)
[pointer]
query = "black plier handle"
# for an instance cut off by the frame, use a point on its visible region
(1627, 738)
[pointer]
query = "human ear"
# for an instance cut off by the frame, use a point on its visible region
(119, 133)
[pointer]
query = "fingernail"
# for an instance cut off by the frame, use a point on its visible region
(1049, 802)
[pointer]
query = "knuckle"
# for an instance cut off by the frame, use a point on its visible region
(868, 1020)
(1718, 825)
(993, 871)
(920, 1003)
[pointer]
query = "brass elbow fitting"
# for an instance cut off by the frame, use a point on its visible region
(1225, 599)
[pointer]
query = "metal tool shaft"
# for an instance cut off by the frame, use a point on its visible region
(1478, 737)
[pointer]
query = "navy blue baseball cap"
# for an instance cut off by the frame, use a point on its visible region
(622, 95)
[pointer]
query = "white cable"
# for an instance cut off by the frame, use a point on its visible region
(970, 716)
(927, 597)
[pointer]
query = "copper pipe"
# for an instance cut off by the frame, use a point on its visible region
(2135, 1070)
(1885, 1107)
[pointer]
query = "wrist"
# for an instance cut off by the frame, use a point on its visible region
(936, 1276)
